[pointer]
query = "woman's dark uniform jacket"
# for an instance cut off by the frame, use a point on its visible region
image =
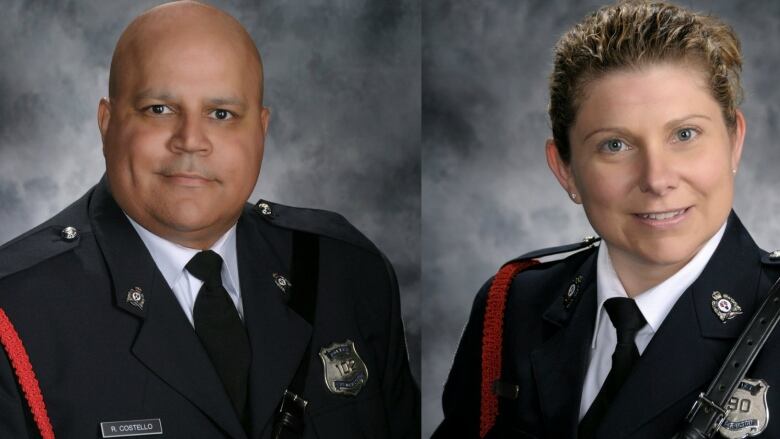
(546, 350)
(100, 358)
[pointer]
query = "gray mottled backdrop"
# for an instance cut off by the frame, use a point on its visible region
(488, 195)
(342, 80)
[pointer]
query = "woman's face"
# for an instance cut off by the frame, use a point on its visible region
(652, 162)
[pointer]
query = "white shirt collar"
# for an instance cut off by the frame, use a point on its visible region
(656, 302)
(171, 258)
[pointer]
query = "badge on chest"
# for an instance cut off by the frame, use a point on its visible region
(345, 372)
(748, 413)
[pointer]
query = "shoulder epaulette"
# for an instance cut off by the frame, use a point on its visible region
(586, 242)
(57, 235)
(771, 258)
(493, 329)
(315, 221)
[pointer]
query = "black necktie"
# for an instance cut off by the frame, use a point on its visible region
(220, 329)
(627, 320)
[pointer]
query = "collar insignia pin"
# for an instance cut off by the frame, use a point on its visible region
(281, 282)
(572, 292)
(724, 306)
(748, 412)
(345, 372)
(135, 297)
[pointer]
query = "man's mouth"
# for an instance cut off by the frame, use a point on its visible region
(187, 175)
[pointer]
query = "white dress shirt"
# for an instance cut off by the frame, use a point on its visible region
(171, 258)
(654, 304)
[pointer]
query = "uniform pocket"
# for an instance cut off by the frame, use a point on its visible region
(359, 418)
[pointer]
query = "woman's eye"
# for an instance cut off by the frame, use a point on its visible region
(159, 109)
(221, 114)
(685, 134)
(614, 145)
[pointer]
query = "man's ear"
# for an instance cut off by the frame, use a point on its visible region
(104, 117)
(562, 171)
(265, 116)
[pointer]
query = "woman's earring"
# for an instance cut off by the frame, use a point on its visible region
(734, 171)
(573, 196)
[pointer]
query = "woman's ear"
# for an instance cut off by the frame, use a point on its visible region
(562, 171)
(738, 140)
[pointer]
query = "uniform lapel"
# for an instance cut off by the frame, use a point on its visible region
(560, 363)
(277, 334)
(166, 342)
(689, 347)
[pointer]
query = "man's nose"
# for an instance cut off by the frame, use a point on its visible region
(190, 135)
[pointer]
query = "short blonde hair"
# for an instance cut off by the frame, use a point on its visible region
(632, 34)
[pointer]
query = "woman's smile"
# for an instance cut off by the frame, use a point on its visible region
(663, 219)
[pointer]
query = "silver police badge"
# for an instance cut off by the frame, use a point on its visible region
(748, 413)
(345, 372)
(724, 306)
(136, 298)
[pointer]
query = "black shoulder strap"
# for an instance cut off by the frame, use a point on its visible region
(708, 412)
(586, 242)
(303, 300)
(304, 273)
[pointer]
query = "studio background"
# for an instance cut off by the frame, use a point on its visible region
(488, 195)
(342, 82)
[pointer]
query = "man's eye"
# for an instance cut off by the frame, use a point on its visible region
(221, 114)
(614, 145)
(159, 109)
(686, 134)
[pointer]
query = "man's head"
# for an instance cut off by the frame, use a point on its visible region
(184, 126)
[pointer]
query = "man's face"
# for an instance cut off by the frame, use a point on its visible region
(183, 136)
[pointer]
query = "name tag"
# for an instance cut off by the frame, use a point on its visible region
(138, 427)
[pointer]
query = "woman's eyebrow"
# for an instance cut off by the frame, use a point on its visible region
(668, 125)
(619, 130)
(680, 120)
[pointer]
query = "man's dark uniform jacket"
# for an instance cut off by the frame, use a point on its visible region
(546, 350)
(99, 357)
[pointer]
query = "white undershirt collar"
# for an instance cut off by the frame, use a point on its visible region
(656, 302)
(171, 258)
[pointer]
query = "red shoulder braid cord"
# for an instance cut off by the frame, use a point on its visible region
(24, 373)
(492, 340)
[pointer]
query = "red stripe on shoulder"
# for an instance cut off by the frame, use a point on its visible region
(20, 361)
(492, 340)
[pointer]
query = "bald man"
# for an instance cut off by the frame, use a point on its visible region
(162, 304)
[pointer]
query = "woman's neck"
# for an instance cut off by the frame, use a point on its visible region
(638, 276)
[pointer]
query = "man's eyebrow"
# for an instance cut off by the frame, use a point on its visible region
(226, 101)
(165, 96)
(152, 94)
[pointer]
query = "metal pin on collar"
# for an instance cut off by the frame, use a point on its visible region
(724, 306)
(135, 297)
(281, 282)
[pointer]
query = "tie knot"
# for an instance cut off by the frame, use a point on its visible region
(206, 266)
(626, 318)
